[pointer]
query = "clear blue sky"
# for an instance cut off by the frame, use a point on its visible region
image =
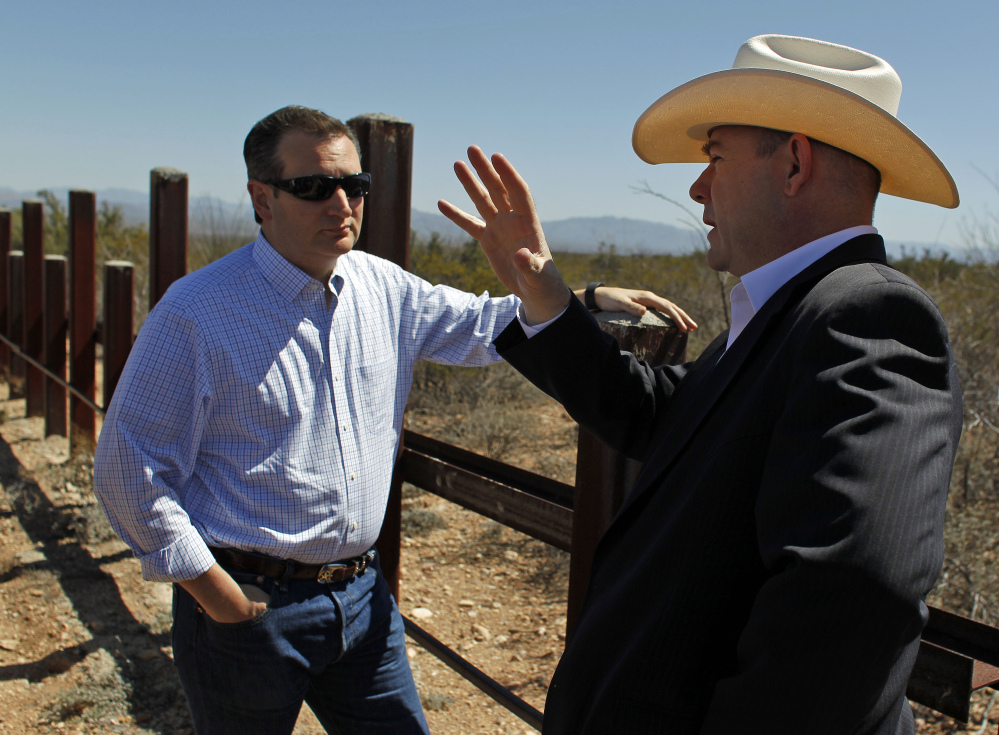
(94, 95)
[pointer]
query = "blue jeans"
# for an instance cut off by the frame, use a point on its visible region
(340, 648)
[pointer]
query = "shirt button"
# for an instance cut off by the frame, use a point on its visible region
(353, 526)
(353, 476)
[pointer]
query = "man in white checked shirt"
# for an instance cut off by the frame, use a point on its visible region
(248, 450)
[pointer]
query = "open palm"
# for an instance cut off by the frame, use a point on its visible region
(510, 233)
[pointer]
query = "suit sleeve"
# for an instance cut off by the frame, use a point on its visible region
(606, 390)
(849, 517)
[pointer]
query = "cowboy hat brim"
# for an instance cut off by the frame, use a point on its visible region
(675, 127)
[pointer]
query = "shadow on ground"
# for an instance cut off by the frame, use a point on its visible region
(148, 690)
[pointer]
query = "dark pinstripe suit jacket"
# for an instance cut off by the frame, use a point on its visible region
(767, 573)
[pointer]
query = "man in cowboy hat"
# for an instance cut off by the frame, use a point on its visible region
(767, 572)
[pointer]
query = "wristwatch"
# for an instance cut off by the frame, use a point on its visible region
(590, 296)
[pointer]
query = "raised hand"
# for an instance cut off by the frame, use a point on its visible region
(510, 233)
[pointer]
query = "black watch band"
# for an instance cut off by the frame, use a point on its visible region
(590, 296)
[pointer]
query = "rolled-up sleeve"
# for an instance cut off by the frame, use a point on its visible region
(149, 444)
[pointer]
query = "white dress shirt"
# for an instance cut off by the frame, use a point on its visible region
(757, 286)
(250, 415)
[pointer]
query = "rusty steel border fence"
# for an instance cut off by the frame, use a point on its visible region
(957, 655)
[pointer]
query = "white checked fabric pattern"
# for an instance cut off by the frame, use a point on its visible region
(251, 416)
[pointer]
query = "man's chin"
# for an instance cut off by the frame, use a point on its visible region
(339, 242)
(713, 257)
(715, 266)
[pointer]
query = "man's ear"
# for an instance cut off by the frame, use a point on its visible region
(260, 196)
(798, 151)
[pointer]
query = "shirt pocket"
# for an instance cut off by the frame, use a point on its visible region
(375, 384)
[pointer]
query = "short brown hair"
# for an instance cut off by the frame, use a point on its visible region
(261, 145)
(770, 140)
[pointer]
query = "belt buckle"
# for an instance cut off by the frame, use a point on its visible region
(358, 565)
(364, 561)
(327, 571)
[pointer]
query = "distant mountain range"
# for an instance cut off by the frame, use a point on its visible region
(581, 234)
(577, 234)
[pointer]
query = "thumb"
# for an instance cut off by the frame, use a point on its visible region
(529, 264)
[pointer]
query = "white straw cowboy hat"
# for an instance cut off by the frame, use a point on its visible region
(836, 94)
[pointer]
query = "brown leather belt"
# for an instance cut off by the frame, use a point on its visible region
(268, 566)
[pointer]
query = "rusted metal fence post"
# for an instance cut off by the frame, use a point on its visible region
(55, 344)
(167, 230)
(82, 320)
(117, 337)
(6, 235)
(33, 224)
(387, 153)
(15, 319)
(604, 477)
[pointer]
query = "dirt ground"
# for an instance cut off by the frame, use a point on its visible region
(85, 646)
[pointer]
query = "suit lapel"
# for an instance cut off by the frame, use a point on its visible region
(712, 372)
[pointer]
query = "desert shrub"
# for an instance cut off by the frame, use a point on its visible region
(420, 521)
(215, 233)
(463, 266)
(487, 410)
(433, 700)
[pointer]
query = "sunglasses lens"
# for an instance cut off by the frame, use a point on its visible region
(320, 188)
(356, 185)
(313, 188)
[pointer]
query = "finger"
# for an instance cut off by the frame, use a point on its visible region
(519, 194)
(471, 225)
(650, 299)
(633, 307)
(691, 324)
(619, 299)
(490, 178)
(674, 312)
(680, 318)
(476, 191)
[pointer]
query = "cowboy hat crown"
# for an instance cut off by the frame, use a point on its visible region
(839, 95)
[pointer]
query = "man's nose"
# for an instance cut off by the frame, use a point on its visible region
(700, 190)
(338, 203)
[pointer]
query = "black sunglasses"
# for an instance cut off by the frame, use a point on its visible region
(318, 188)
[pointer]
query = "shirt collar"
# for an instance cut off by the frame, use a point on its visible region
(286, 278)
(749, 295)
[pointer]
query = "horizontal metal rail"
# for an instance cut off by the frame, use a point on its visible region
(957, 656)
(475, 675)
(530, 503)
(34, 363)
